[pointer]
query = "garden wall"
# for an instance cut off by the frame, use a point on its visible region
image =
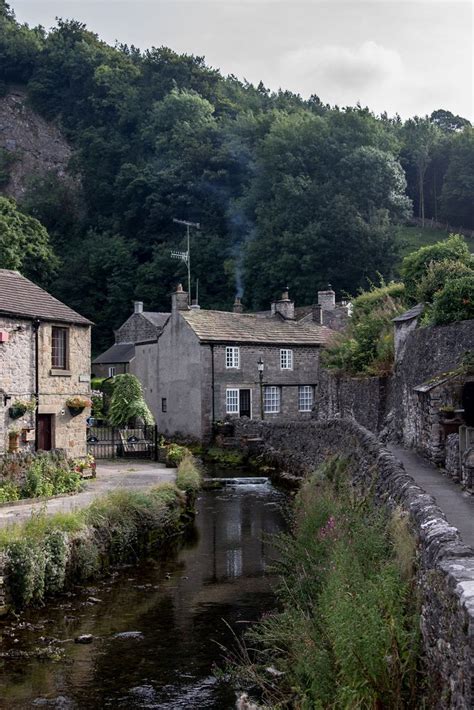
(446, 565)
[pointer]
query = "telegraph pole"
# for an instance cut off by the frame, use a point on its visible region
(186, 256)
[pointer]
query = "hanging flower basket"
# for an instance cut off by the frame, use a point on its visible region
(77, 404)
(17, 410)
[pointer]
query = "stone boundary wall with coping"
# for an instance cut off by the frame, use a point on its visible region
(445, 575)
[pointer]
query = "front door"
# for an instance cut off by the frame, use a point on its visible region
(45, 432)
(244, 403)
(468, 403)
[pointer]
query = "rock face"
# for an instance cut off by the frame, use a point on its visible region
(445, 565)
(36, 146)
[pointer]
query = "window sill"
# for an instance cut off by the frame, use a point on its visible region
(59, 373)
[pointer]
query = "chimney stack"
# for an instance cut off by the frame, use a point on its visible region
(138, 306)
(327, 299)
(317, 313)
(284, 307)
(195, 305)
(179, 300)
(238, 307)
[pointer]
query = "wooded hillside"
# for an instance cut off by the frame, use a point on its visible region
(287, 191)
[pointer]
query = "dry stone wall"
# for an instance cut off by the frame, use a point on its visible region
(446, 564)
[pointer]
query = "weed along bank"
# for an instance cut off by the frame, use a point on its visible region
(44, 370)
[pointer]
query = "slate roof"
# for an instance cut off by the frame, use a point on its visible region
(22, 298)
(409, 315)
(120, 352)
(157, 319)
(222, 326)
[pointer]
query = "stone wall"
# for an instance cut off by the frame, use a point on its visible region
(135, 329)
(55, 386)
(446, 565)
(17, 373)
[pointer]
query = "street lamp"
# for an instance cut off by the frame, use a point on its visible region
(260, 367)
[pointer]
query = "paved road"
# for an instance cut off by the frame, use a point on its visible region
(111, 475)
(456, 505)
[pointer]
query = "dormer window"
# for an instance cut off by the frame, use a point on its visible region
(59, 348)
(232, 358)
(286, 359)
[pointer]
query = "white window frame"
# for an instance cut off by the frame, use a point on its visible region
(112, 371)
(286, 359)
(232, 357)
(305, 403)
(271, 399)
(232, 402)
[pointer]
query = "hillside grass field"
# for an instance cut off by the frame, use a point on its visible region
(410, 238)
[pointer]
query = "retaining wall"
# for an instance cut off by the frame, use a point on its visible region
(446, 565)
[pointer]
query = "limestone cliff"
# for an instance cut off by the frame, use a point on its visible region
(34, 145)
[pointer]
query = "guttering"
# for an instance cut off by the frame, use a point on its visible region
(36, 327)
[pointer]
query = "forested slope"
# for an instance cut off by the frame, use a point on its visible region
(287, 191)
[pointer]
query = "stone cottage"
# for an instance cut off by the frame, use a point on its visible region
(44, 359)
(139, 327)
(208, 365)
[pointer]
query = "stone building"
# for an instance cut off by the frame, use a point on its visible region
(44, 357)
(205, 366)
(139, 327)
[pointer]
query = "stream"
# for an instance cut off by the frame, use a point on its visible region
(157, 627)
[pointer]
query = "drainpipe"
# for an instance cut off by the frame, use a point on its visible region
(212, 387)
(36, 327)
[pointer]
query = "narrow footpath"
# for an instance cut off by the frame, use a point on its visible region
(111, 476)
(456, 505)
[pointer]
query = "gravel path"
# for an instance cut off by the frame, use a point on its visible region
(111, 475)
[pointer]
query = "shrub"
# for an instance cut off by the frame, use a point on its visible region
(346, 634)
(127, 403)
(455, 302)
(175, 454)
(437, 274)
(25, 571)
(188, 477)
(49, 475)
(366, 348)
(9, 492)
(415, 265)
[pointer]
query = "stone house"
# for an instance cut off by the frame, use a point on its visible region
(120, 357)
(44, 357)
(205, 366)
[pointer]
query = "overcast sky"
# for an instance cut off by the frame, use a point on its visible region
(410, 56)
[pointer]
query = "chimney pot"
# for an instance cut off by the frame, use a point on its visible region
(237, 307)
(138, 306)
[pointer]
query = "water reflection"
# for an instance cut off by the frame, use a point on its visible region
(179, 605)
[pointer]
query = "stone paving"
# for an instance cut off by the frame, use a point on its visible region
(111, 476)
(456, 505)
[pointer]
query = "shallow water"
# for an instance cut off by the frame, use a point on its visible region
(182, 608)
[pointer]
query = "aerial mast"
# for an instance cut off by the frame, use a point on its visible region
(186, 255)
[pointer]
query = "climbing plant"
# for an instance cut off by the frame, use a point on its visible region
(128, 404)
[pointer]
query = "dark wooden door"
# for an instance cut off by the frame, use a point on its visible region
(468, 403)
(244, 403)
(45, 432)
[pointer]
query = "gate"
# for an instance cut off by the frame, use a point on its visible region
(107, 442)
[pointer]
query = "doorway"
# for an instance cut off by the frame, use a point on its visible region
(468, 403)
(45, 432)
(245, 407)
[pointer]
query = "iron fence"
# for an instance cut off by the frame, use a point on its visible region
(107, 442)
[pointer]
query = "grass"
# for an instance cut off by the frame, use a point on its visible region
(347, 632)
(45, 554)
(188, 477)
(411, 238)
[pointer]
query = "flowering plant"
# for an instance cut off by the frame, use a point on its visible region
(78, 401)
(84, 463)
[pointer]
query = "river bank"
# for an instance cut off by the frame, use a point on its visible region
(46, 554)
(158, 627)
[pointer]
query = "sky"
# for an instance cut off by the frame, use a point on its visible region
(408, 57)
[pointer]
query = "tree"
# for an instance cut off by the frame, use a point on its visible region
(448, 122)
(457, 196)
(421, 137)
(24, 244)
(127, 403)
